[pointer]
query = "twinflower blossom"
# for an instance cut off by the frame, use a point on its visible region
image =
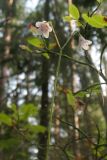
(84, 43)
(43, 28)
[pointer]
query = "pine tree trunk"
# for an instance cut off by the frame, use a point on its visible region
(7, 38)
(44, 112)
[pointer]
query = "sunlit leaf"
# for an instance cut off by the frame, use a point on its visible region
(95, 89)
(67, 18)
(4, 118)
(36, 42)
(24, 47)
(96, 21)
(52, 45)
(81, 94)
(99, 1)
(70, 98)
(74, 12)
(46, 55)
(12, 107)
(27, 110)
(79, 24)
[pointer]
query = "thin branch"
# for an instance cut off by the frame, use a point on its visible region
(89, 87)
(99, 4)
(101, 56)
(98, 141)
(79, 130)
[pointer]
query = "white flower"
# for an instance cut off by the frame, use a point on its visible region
(43, 28)
(84, 43)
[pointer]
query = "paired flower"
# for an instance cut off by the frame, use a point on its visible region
(84, 43)
(44, 28)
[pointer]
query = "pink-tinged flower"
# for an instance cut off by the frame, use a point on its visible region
(43, 28)
(84, 43)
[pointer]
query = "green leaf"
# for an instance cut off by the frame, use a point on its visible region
(26, 48)
(52, 45)
(46, 55)
(99, 1)
(81, 94)
(35, 128)
(9, 143)
(95, 89)
(4, 118)
(70, 98)
(74, 12)
(12, 107)
(70, 154)
(36, 42)
(96, 21)
(67, 18)
(27, 110)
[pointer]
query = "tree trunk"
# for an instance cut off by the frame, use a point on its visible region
(7, 38)
(44, 111)
(76, 145)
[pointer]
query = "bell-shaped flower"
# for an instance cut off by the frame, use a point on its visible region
(84, 43)
(43, 28)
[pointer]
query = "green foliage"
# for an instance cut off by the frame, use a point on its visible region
(96, 21)
(35, 128)
(17, 119)
(19, 124)
(6, 119)
(36, 42)
(52, 45)
(74, 12)
(81, 94)
(26, 48)
(70, 154)
(9, 143)
(95, 89)
(71, 98)
(99, 1)
(46, 55)
(26, 111)
(67, 18)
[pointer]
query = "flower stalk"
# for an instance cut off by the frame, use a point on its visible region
(54, 93)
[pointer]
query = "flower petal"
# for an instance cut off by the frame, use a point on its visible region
(89, 42)
(84, 43)
(50, 29)
(38, 24)
(46, 34)
(39, 32)
(85, 46)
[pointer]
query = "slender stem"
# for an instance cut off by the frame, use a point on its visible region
(89, 87)
(99, 4)
(80, 131)
(54, 93)
(56, 38)
(65, 44)
(53, 101)
(101, 56)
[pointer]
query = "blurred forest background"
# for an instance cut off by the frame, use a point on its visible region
(79, 132)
